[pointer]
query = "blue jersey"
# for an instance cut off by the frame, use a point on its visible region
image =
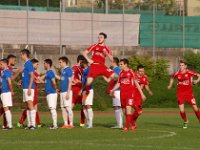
(85, 74)
(117, 71)
(5, 75)
(49, 88)
(28, 68)
(65, 75)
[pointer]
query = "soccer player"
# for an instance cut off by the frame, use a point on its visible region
(87, 104)
(127, 83)
(184, 90)
(65, 92)
(51, 91)
(144, 84)
(35, 63)
(77, 85)
(116, 98)
(6, 92)
(28, 87)
(99, 52)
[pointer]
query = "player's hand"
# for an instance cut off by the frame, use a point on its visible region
(80, 92)
(12, 93)
(143, 98)
(67, 96)
(195, 82)
(111, 93)
(169, 87)
(19, 83)
(91, 61)
(29, 92)
(150, 93)
(57, 91)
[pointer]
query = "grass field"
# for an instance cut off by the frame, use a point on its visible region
(158, 129)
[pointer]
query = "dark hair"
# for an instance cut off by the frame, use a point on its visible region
(26, 51)
(11, 56)
(48, 61)
(116, 60)
(125, 61)
(104, 34)
(84, 61)
(80, 57)
(140, 66)
(5, 61)
(64, 59)
(34, 61)
(183, 61)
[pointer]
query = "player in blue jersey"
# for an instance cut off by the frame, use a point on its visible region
(116, 97)
(87, 104)
(51, 90)
(6, 92)
(28, 87)
(66, 92)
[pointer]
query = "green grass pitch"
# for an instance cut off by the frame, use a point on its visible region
(155, 131)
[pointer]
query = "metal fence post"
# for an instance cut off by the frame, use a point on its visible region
(123, 26)
(154, 40)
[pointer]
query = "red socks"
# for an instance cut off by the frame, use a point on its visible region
(183, 116)
(134, 118)
(37, 118)
(128, 120)
(23, 117)
(82, 121)
(198, 114)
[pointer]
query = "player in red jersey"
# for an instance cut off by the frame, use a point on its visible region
(144, 84)
(77, 86)
(24, 113)
(99, 52)
(184, 90)
(127, 83)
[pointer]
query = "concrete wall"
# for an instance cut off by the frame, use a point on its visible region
(193, 7)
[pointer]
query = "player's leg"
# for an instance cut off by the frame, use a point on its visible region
(87, 87)
(117, 110)
(52, 104)
(32, 114)
(8, 116)
(183, 115)
(63, 109)
(136, 114)
(22, 119)
(37, 117)
(71, 116)
(128, 118)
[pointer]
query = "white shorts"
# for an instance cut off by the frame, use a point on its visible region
(89, 99)
(116, 100)
(64, 102)
(52, 100)
(6, 99)
(27, 97)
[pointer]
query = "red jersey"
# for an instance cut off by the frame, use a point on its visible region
(98, 55)
(10, 68)
(36, 85)
(126, 80)
(77, 75)
(184, 84)
(142, 80)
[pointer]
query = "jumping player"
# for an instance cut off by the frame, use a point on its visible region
(99, 52)
(184, 90)
(127, 83)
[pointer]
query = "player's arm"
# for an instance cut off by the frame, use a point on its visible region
(58, 77)
(117, 85)
(31, 82)
(16, 74)
(85, 54)
(171, 81)
(106, 79)
(140, 90)
(198, 79)
(40, 79)
(148, 90)
(53, 80)
(10, 85)
(69, 88)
